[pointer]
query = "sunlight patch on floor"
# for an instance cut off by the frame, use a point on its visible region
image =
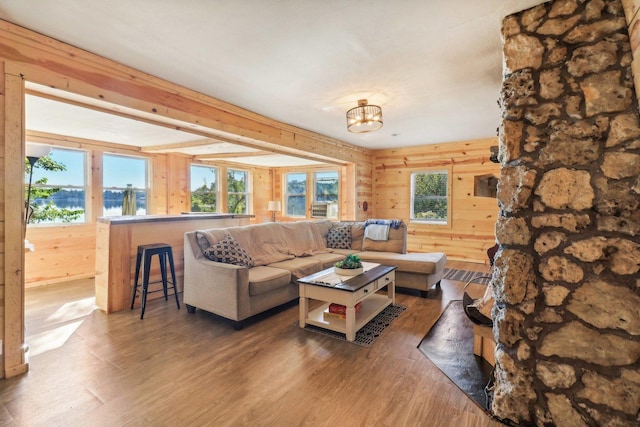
(60, 326)
(73, 310)
(52, 338)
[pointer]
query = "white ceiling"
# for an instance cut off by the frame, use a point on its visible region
(433, 66)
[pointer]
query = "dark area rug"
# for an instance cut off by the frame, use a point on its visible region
(466, 276)
(369, 332)
(449, 345)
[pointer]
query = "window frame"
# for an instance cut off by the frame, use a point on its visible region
(85, 188)
(315, 180)
(217, 186)
(246, 192)
(287, 194)
(436, 223)
(331, 213)
(146, 189)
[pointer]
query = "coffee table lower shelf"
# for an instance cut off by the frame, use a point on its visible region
(371, 307)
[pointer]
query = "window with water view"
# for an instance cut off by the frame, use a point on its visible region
(58, 191)
(118, 173)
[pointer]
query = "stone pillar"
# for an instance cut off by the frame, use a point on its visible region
(567, 275)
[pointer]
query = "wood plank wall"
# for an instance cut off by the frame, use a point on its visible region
(3, 272)
(471, 231)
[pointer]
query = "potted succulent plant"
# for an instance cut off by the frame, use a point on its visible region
(350, 266)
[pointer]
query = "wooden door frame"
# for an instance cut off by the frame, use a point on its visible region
(13, 355)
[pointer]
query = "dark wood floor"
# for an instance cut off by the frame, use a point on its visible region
(173, 368)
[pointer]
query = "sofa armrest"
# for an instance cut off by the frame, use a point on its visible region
(216, 287)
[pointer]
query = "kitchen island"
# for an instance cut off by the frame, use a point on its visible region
(117, 241)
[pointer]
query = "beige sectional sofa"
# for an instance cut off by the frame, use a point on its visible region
(264, 261)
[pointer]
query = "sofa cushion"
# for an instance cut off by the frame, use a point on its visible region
(327, 260)
(383, 245)
(299, 267)
(414, 262)
(303, 238)
(264, 279)
(229, 251)
(357, 234)
(339, 237)
(266, 243)
(324, 225)
(395, 243)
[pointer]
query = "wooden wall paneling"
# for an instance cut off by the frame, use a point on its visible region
(121, 249)
(473, 219)
(2, 234)
(95, 187)
(62, 253)
(223, 203)
(347, 192)
(102, 266)
(262, 190)
(159, 177)
(3, 174)
(178, 193)
(364, 190)
(13, 351)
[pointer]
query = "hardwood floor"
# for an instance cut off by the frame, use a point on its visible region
(175, 368)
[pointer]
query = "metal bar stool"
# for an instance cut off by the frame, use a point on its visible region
(146, 252)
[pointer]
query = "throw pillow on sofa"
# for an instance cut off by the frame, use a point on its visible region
(229, 251)
(339, 238)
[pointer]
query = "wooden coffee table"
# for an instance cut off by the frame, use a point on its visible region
(348, 291)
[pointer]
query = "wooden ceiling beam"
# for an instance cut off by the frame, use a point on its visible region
(215, 156)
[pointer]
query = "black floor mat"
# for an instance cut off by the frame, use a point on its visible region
(449, 345)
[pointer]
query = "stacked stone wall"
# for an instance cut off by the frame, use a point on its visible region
(567, 275)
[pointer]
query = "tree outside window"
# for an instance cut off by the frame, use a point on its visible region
(119, 172)
(430, 197)
(204, 188)
(237, 191)
(58, 191)
(296, 194)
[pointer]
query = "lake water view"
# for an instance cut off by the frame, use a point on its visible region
(111, 208)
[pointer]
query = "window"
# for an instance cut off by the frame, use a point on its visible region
(118, 173)
(326, 191)
(326, 187)
(204, 188)
(237, 191)
(430, 197)
(58, 190)
(296, 194)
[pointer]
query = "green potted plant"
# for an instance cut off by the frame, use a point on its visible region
(350, 266)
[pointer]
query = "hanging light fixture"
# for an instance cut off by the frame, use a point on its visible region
(364, 117)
